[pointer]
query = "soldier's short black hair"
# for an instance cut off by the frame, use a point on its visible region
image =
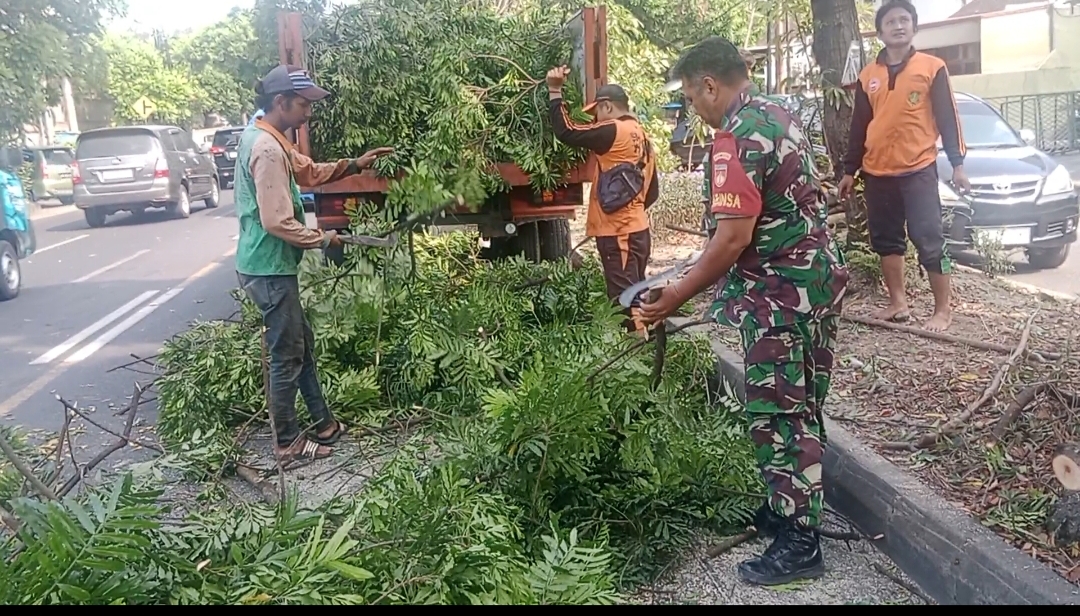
(895, 4)
(714, 57)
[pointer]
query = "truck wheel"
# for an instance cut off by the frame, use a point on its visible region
(500, 248)
(554, 239)
(1048, 258)
(530, 241)
(10, 274)
(95, 217)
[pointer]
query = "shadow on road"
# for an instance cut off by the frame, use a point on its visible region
(127, 219)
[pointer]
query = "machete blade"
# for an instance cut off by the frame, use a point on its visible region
(629, 297)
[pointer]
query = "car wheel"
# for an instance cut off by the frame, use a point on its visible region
(95, 217)
(67, 200)
(31, 196)
(10, 274)
(181, 208)
(1048, 258)
(215, 196)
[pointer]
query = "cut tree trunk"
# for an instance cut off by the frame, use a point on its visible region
(836, 25)
(1066, 465)
(1063, 523)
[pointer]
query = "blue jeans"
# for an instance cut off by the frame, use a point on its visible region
(291, 345)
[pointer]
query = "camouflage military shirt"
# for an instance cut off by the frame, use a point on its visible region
(792, 270)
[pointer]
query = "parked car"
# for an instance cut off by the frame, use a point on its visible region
(226, 141)
(1019, 196)
(51, 173)
(17, 240)
(135, 168)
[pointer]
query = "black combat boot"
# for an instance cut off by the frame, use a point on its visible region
(767, 522)
(794, 555)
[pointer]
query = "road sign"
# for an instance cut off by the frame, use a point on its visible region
(144, 107)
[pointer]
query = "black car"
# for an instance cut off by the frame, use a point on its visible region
(1019, 196)
(223, 149)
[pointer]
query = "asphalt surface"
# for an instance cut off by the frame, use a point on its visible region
(1065, 279)
(93, 297)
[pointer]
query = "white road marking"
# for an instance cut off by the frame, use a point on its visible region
(59, 244)
(112, 266)
(8, 405)
(235, 237)
(122, 326)
(100, 324)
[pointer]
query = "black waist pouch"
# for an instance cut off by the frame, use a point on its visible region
(617, 187)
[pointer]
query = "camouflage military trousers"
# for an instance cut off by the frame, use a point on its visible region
(788, 370)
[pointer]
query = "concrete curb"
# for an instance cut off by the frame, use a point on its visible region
(947, 553)
(1024, 287)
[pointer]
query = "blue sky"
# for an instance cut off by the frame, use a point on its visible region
(175, 16)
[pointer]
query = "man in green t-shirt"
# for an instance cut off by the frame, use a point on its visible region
(273, 238)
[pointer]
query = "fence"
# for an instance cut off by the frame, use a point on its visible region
(1054, 118)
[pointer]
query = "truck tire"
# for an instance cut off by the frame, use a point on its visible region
(530, 241)
(1048, 258)
(10, 274)
(500, 248)
(554, 239)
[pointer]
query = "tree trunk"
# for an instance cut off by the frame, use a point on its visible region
(836, 25)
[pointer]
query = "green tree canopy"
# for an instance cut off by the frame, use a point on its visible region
(136, 69)
(221, 59)
(38, 41)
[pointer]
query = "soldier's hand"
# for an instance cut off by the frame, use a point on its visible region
(847, 186)
(665, 306)
(556, 77)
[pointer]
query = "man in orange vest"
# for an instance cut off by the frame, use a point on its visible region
(625, 183)
(903, 103)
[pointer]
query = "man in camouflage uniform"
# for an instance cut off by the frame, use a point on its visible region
(785, 282)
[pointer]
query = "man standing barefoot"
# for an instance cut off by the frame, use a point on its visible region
(903, 103)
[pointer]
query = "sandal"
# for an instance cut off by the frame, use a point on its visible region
(309, 451)
(333, 438)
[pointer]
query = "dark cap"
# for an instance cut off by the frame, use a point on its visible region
(286, 79)
(612, 92)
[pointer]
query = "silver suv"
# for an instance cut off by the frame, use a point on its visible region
(134, 168)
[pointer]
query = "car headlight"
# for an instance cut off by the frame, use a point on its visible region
(1059, 181)
(947, 194)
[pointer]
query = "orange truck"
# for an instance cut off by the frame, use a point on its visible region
(518, 221)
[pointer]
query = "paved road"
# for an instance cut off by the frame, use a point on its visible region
(1065, 279)
(92, 297)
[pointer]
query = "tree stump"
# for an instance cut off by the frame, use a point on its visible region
(1063, 523)
(1066, 465)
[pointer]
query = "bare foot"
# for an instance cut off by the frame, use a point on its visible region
(939, 322)
(892, 313)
